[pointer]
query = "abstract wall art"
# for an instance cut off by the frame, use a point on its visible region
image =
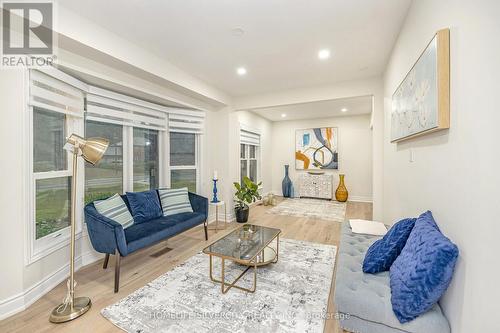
(421, 103)
(316, 148)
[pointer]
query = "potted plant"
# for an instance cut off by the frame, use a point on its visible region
(245, 195)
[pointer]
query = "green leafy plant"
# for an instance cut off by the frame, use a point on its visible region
(246, 193)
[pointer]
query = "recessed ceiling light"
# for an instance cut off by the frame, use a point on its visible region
(241, 70)
(343, 109)
(324, 54)
(283, 115)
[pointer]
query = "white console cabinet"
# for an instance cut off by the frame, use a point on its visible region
(316, 186)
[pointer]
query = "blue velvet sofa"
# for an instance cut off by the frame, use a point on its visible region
(109, 237)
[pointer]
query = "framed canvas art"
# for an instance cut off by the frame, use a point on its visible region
(316, 148)
(421, 103)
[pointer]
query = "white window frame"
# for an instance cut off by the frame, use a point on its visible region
(130, 154)
(125, 147)
(196, 167)
(247, 158)
(258, 153)
(128, 157)
(39, 248)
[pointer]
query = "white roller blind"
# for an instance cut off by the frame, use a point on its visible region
(249, 138)
(110, 107)
(50, 90)
(186, 121)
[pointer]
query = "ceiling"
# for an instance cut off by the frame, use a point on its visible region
(322, 109)
(277, 41)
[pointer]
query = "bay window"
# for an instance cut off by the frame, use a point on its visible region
(183, 160)
(49, 132)
(53, 203)
(55, 109)
(136, 159)
(50, 167)
(106, 178)
(146, 159)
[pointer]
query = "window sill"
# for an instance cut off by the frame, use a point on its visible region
(35, 254)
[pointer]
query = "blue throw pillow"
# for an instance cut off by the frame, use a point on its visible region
(382, 253)
(422, 272)
(427, 216)
(144, 205)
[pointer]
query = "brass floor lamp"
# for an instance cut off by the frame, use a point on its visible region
(92, 151)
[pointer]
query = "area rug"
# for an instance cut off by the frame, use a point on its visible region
(291, 296)
(317, 208)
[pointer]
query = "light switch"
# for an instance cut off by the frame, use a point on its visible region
(412, 156)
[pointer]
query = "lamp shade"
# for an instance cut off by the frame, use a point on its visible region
(92, 149)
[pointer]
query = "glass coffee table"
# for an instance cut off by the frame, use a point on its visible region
(248, 245)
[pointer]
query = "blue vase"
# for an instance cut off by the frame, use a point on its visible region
(286, 184)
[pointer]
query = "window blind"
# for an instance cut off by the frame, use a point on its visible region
(50, 90)
(186, 121)
(249, 138)
(110, 107)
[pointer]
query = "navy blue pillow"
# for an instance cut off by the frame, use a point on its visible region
(427, 216)
(422, 272)
(382, 253)
(144, 205)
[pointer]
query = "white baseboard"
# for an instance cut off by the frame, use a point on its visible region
(23, 300)
(354, 198)
(360, 198)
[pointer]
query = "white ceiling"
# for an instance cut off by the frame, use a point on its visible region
(322, 109)
(278, 47)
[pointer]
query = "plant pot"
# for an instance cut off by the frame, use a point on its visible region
(242, 214)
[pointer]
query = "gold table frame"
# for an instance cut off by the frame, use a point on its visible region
(217, 205)
(250, 263)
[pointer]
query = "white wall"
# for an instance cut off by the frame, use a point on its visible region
(12, 201)
(455, 173)
(355, 152)
(215, 155)
(264, 127)
(355, 88)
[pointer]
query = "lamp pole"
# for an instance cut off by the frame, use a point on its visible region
(73, 229)
(92, 151)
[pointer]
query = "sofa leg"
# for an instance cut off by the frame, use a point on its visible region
(106, 260)
(206, 230)
(117, 271)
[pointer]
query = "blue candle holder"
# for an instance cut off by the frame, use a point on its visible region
(215, 199)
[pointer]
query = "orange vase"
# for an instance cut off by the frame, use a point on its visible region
(341, 193)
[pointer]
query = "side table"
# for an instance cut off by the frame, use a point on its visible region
(217, 205)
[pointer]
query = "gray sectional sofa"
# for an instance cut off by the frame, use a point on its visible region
(363, 301)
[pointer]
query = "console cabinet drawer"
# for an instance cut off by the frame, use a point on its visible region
(316, 186)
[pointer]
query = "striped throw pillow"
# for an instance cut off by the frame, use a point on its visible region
(115, 209)
(175, 201)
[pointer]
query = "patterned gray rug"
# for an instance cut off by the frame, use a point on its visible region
(317, 208)
(291, 296)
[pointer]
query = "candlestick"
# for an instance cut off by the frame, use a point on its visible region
(214, 199)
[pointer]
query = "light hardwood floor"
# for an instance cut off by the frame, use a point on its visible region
(141, 267)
